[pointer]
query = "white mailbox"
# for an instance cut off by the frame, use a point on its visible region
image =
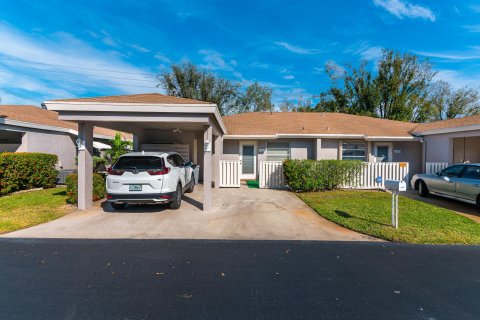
(395, 185)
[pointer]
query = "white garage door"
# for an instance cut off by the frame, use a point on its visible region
(182, 149)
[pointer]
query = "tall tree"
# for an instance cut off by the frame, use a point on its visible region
(188, 81)
(256, 98)
(399, 89)
(452, 103)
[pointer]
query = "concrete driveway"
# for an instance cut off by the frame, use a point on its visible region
(237, 214)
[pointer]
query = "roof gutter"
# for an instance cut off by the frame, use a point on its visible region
(321, 136)
(471, 127)
(38, 126)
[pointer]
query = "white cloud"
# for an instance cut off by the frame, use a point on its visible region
(60, 65)
(459, 56)
(401, 9)
(140, 48)
(215, 61)
(289, 77)
(297, 49)
(160, 57)
(372, 53)
(318, 70)
(473, 27)
(458, 79)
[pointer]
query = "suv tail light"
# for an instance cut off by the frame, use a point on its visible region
(158, 172)
(114, 172)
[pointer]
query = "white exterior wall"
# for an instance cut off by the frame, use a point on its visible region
(61, 144)
(439, 147)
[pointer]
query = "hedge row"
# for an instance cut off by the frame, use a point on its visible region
(99, 191)
(27, 170)
(311, 175)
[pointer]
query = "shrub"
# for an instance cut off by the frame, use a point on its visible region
(27, 170)
(99, 164)
(311, 175)
(99, 190)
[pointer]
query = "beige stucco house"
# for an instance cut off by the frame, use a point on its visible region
(32, 129)
(452, 141)
(313, 135)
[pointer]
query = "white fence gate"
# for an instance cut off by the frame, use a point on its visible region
(229, 173)
(367, 178)
(271, 175)
(432, 167)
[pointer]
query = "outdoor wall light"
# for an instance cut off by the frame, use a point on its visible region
(80, 144)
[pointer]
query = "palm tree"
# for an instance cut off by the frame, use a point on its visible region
(119, 147)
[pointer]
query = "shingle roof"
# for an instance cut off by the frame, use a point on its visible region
(147, 98)
(33, 114)
(450, 123)
(266, 123)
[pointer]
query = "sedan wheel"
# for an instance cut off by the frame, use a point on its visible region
(422, 189)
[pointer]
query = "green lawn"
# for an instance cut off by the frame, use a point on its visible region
(23, 210)
(369, 212)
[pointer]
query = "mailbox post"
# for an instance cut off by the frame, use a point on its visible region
(395, 186)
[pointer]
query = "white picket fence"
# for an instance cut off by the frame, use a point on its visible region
(229, 173)
(432, 167)
(367, 178)
(270, 175)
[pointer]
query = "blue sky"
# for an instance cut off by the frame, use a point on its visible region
(62, 49)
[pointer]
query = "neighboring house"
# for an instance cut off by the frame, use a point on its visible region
(32, 129)
(453, 141)
(260, 136)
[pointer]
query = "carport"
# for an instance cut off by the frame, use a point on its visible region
(157, 122)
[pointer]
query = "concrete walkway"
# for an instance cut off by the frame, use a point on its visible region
(237, 214)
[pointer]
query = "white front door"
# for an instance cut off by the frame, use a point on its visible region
(248, 160)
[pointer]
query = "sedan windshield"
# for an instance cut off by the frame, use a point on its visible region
(138, 163)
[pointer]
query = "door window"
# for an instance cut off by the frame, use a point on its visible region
(453, 171)
(471, 172)
(248, 159)
(382, 153)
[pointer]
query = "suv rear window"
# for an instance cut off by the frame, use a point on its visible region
(138, 163)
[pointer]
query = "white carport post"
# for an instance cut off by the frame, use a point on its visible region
(85, 166)
(207, 168)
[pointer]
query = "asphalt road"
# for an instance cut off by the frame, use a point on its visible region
(163, 279)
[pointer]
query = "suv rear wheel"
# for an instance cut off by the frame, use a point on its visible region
(192, 184)
(177, 201)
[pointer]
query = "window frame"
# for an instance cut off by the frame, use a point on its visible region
(459, 175)
(288, 148)
(462, 173)
(342, 149)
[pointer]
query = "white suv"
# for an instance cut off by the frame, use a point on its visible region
(149, 177)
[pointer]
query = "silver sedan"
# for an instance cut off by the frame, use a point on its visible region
(459, 181)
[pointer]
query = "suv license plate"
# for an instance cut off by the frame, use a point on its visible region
(135, 187)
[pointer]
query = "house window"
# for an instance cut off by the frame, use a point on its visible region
(354, 151)
(278, 151)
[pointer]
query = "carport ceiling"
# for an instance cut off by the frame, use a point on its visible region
(132, 127)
